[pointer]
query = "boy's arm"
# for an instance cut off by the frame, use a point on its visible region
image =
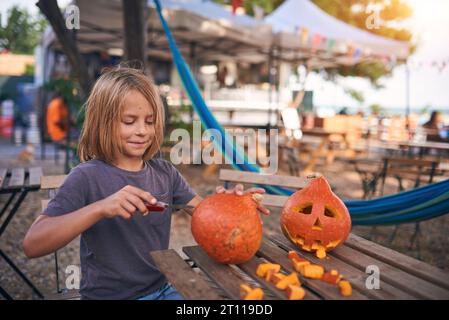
(48, 234)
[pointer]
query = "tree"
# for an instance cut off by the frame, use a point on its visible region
(22, 31)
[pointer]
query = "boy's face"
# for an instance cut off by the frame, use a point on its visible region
(136, 126)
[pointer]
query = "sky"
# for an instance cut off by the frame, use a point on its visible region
(428, 87)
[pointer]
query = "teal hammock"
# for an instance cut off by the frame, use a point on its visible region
(414, 205)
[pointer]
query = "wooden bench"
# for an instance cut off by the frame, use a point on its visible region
(52, 184)
(401, 277)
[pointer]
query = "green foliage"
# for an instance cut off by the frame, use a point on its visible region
(356, 95)
(22, 32)
(376, 109)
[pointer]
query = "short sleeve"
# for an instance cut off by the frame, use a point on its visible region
(182, 192)
(70, 197)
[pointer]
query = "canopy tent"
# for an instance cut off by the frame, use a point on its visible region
(201, 28)
(304, 31)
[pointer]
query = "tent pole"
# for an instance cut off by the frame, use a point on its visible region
(407, 97)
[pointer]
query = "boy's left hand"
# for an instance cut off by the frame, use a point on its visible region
(239, 190)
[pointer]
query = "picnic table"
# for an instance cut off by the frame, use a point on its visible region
(16, 182)
(401, 277)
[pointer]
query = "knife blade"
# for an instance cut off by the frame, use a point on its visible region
(161, 206)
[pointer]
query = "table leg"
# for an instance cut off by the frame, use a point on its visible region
(21, 274)
(8, 202)
(5, 294)
(13, 212)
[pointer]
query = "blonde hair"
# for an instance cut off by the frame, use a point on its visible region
(100, 133)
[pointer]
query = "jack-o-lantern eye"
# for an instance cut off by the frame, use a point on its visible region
(328, 212)
(304, 209)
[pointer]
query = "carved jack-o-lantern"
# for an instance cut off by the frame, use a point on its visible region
(228, 227)
(315, 219)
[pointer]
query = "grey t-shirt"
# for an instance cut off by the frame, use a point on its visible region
(115, 259)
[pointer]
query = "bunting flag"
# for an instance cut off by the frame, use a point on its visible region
(235, 5)
(330, 45)
(304, 34)
(316, 42)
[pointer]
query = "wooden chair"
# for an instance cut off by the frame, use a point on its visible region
(52, 184)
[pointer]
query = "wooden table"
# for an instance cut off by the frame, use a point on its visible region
(325, 146)
(401, 277)
(423, 146)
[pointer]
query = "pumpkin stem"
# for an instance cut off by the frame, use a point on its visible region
(257, 197)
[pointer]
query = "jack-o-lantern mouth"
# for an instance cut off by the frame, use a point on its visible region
(309, 245)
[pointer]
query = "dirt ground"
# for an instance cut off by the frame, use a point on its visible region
(434, 239)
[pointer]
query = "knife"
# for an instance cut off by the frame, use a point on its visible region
(161, 206)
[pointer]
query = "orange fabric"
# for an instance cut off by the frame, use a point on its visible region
(57, 118)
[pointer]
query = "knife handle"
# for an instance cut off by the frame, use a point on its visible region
(158, 206)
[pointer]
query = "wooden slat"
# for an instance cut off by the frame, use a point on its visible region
(275, 254)
(400, 261)
(392, 275)
(35, 176)
(2, 176)
(250, 268)
(189, 284)
(52, 182)
(44, 204)
(17, 178)
(221, 274)
(273, 200)
(253, 177)
(354, 275)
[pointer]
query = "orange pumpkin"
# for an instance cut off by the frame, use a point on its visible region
(228, 227)
(315, 219)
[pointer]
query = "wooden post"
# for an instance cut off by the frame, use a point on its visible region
(135, 17)
(66, 38)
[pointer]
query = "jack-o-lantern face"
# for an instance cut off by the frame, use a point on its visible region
(315, 219)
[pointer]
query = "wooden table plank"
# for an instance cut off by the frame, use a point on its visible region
(182, 277)
(390, 274)
(354, 275)
(52, 182)
(250, 268)
(400, 261)
(273, 253)
(17, 178)
(2, 176)
(35, 177)
(221, 274)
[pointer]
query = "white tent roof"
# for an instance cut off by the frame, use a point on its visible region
(295, 14)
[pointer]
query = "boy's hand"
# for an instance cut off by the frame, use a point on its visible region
(126, 202)
(238, 190)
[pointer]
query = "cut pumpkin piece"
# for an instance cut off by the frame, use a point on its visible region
(276, 278)
(332, 277)
(292, 278)
(263, 268)
(295, 292)
(312, 271)
(248, 293)
(345, 288)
